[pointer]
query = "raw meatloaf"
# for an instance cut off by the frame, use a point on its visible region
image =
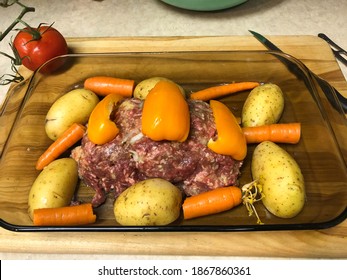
(131, 156)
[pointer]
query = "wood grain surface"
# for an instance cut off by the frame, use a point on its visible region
(327, 243)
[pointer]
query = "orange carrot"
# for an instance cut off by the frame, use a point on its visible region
(211, 202)
(104, 85)
(222, 90)
(64, 216)
(278, 133)
(73, 134)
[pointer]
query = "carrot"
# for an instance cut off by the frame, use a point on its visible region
(222, 90)
(211, 202)
(73, 134)
(104, 85)
(64, 216)
(278, 133)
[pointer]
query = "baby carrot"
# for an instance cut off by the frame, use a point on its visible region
(104, 85)
(211, 202)
(278, 133)
(73, 134)
(222, 90)
(64, 216)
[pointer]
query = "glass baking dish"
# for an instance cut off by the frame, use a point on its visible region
(321, 152)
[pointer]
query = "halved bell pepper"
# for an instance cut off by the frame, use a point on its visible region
(165, 114)
(100, 128)
(230, 138)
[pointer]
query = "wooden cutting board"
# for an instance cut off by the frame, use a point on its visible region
(327, 243)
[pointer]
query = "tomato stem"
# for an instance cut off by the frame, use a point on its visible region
(35, 33)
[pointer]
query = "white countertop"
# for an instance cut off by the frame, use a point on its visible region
(113, 18)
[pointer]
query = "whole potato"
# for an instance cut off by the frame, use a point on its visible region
(73, 107)
(148, 203)
(281, 180)
(54, 186)
(264, 105)
(144, 87)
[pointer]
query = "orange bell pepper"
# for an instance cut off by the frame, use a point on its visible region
(230, 138)
(100, 128)
(165, 114)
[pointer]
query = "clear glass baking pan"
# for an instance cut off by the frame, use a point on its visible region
(321, 152)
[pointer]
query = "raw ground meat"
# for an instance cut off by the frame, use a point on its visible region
(131, 157)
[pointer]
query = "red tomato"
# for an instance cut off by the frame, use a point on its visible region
(40, 45)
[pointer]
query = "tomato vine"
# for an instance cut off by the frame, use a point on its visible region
(15, 59)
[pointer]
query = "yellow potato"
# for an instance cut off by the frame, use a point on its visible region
(73, 107)
(264, 105)
(281, 180)
(144, 87)
(148, 203)
(54, 186)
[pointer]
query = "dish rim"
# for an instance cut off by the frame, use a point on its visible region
(182, 228)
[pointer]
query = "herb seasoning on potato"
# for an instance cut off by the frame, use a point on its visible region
(151, 202)
(264, 105)
(55, 185)
(281, 179)
(73, 107)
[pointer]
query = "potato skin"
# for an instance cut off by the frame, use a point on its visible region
(54, 186)
(73, 107)
(281, 179)
(148, 203)
(144, 87)
(264, 105)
